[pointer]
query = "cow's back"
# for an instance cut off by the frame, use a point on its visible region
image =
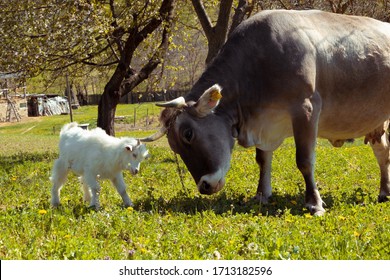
(279, 56)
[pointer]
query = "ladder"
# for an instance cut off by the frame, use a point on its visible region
(11, 107)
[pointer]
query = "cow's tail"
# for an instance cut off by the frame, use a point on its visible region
(68, 126)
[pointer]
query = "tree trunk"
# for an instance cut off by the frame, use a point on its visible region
(106, 112)
(125, 78)
(216, 35)
(108, 102)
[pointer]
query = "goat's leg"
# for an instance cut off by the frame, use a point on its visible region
(120, 186)
(58, 179)
(87, 196)
(94, 186)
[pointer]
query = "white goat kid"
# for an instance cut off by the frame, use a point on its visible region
(93, 154)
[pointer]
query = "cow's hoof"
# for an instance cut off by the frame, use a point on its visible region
(55, 204)
(260, 198)
(94, 207)
(382, 198)
(316, 210)
(127, 205)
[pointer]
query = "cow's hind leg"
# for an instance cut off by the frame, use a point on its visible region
(382, 153)
(58, 179)
(264, 189)
(305, 122)
(120, 186)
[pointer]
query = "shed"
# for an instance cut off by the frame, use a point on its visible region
(13, 103)
(47, 105)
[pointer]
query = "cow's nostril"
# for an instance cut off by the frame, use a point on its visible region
(205, 188)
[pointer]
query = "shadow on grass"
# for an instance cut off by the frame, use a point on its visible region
(221, 204)
(21, 158)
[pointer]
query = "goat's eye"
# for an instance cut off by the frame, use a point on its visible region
(134, 156)
(188, 135)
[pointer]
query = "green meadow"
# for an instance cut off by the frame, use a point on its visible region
(170, 219)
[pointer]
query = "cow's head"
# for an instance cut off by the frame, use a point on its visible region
(202, 138)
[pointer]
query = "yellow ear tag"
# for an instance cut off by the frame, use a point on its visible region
(215, 95)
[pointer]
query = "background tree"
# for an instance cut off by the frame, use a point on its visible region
(217, 34)
(126, 37)
(124, 41)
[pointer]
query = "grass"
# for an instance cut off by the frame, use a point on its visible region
(172, 222)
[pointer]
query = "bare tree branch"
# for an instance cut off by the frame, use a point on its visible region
(203, 17)
(137, 77)
(244, 8)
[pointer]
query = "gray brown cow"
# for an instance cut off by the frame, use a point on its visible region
(305, 74)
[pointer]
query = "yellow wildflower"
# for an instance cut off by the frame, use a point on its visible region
(42, 212)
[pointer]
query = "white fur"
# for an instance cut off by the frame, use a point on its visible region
(93, 154)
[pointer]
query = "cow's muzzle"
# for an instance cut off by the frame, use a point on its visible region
(210, 187)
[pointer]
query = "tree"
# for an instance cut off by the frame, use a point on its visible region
(126, 37)
(216, 34)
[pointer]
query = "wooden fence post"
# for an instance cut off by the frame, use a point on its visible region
(135, 116)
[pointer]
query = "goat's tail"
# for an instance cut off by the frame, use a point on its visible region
(68, 126)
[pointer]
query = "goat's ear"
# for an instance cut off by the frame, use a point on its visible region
(138, 142)
(129, 148)
(208, 101)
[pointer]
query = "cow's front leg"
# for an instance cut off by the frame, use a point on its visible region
(264, 189)
(382, 153)
(305, 122)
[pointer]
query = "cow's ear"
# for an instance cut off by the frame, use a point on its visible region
(208, 101)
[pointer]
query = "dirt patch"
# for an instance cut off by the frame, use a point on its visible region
(23, 120)
(123, 127)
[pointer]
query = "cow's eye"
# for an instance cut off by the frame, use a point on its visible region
(188, 135)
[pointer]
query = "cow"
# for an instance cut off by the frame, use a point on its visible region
(284, 73)
(94, 155)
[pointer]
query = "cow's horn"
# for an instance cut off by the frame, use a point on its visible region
(155, 136)
(175, 103)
